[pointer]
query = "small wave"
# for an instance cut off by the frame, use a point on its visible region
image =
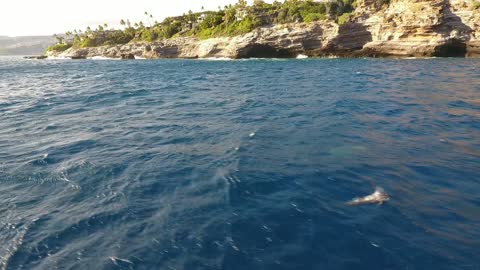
(98, 57)
(331, 57)
(231, 179)
(264, 59)
(217, 59)
(418, 58)
(12, 237)
(379, 196)
(59, 58)
(117, 260)
(10, 249)
(71, 183)
(243, 59)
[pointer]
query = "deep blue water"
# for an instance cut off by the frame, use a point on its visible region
(176, 164)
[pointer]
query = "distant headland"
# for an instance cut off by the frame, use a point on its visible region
(344, 28)
(24, 45)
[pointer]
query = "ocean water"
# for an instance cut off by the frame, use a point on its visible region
(186, 164)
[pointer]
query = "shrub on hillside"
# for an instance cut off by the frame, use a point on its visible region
(344, 18)
(314, 17)
(59, 47)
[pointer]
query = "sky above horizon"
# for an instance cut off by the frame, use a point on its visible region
(48, 17)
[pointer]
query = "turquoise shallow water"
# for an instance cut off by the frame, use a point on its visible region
(183, 164)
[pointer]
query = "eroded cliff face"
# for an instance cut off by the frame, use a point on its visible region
(404, 28)
(423, 28)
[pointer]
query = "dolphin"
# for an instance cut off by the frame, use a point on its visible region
(379, 196)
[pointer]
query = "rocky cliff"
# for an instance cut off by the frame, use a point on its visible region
(403, 28)
(424, 28)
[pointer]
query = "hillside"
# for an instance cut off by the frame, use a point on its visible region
(27, 45)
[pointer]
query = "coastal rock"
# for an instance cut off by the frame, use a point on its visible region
(403, 28)
(37, 57)
(421, 28)
(127, 56)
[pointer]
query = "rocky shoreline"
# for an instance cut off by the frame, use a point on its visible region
(405, 28)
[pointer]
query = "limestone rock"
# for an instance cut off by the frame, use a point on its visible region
(403, 28)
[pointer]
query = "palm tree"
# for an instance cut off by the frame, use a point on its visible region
(242, 3)
(68, 34)
(59, 39)
(258, 2)
(150, 20)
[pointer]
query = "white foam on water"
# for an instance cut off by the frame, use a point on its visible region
(13, 229)
(302, 56)
(116, 259)
(98, 57)
(217, 59)
(264, 59)
(378, 196)
(419, 58)
(10, 248)
(71, 183)
(236, 179)
(243, 59)
(58, 58)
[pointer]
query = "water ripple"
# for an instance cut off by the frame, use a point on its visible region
(179, 164)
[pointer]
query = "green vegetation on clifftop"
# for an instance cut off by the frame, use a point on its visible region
(230, 20)
(59, 47)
